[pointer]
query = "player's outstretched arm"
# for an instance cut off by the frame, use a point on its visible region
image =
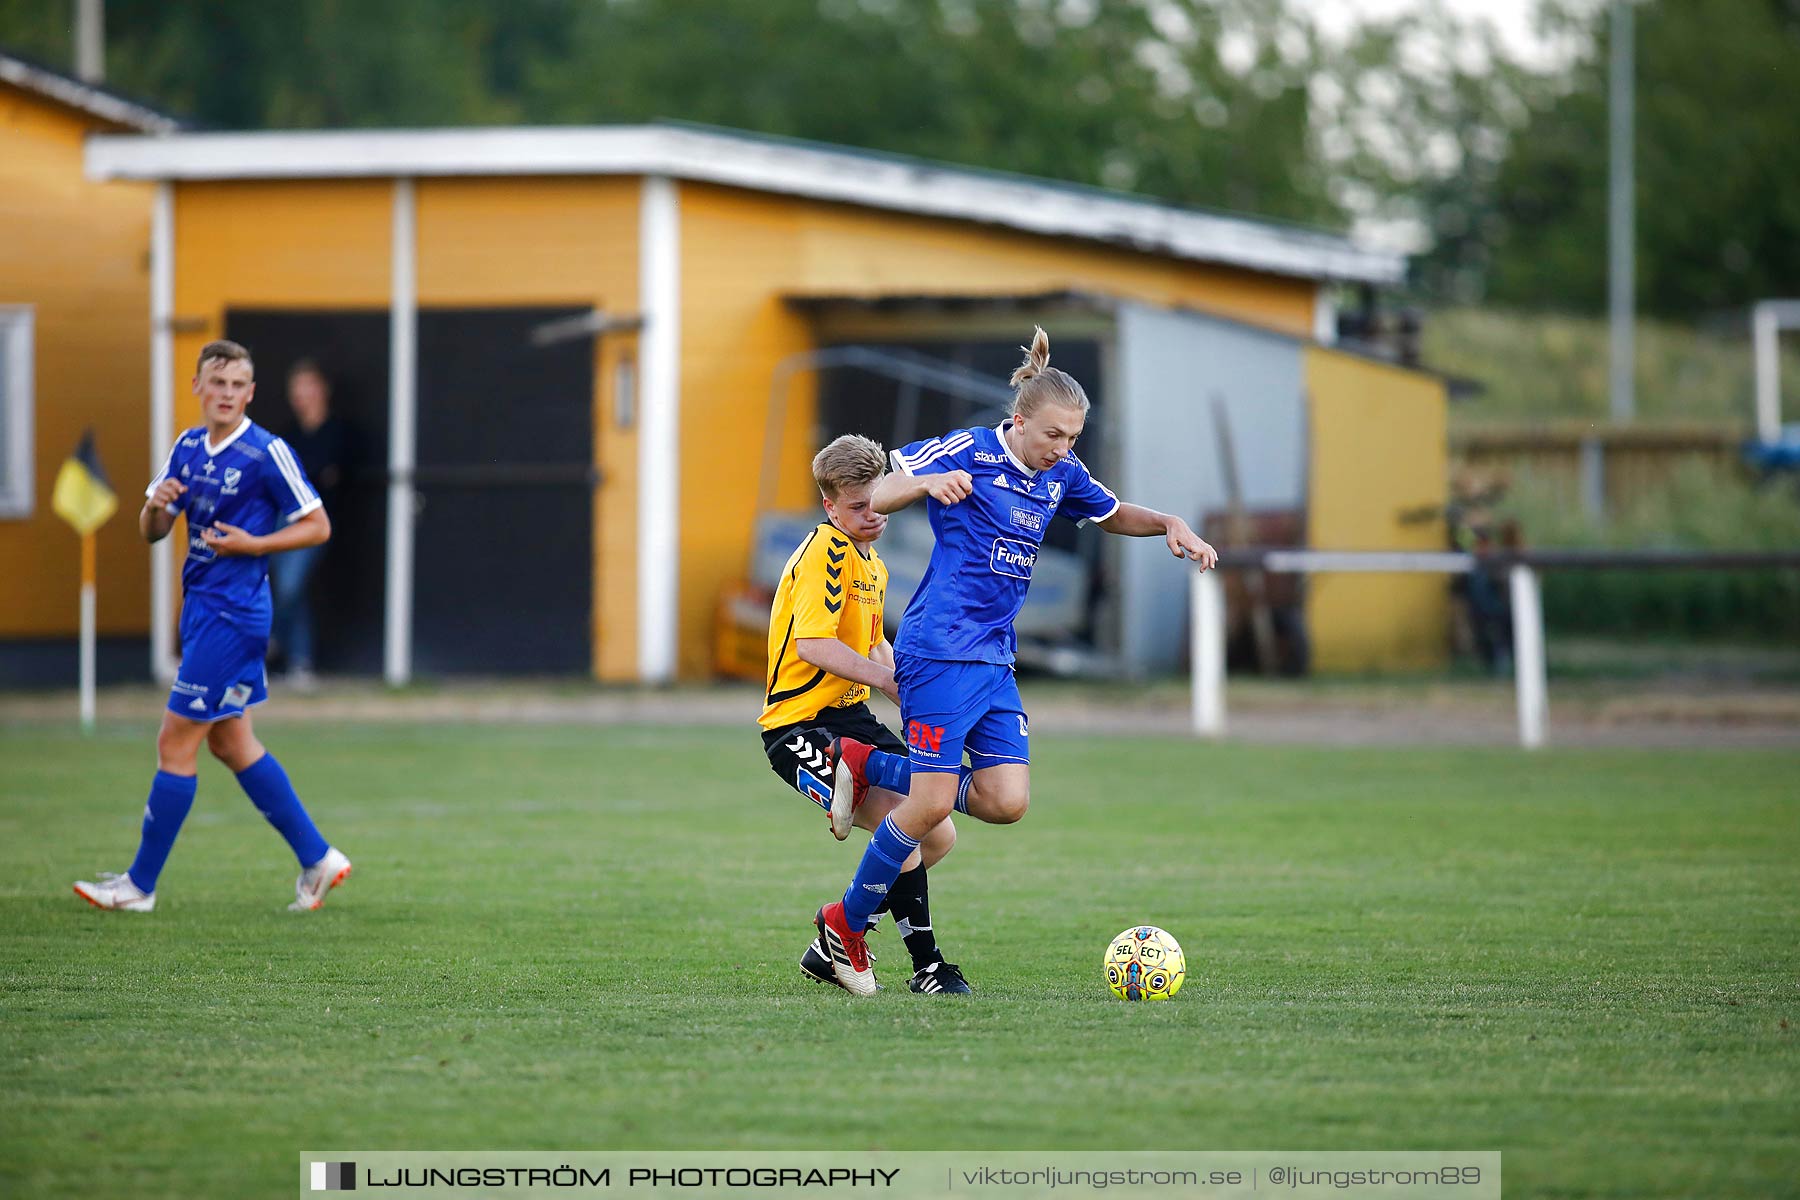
(829, 654)
(1134, 520)
(227, 540)
(896, 491)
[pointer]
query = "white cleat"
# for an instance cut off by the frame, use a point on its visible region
(316, 880)
(847, 951)
(117, 893)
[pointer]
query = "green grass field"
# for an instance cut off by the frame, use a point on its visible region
(564, 938)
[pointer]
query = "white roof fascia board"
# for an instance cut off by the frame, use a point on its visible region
(848, 177)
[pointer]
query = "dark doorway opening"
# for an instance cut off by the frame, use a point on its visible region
(503, 538)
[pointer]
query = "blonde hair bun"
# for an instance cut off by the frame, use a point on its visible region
(1037, 357)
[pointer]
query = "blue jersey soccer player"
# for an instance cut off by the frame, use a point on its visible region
(991, 494)
(827, 652)
(245, 497)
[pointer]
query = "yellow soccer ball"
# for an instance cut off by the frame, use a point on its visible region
(1145, 963)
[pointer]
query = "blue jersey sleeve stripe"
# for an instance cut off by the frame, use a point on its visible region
(936, 447)
(1105, 516)
(290, 471)
(954, 446)
(908, 461)
(168, 465)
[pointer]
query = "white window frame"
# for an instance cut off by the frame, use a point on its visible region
(18, 404)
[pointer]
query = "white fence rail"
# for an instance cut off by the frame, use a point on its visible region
(1208, 627)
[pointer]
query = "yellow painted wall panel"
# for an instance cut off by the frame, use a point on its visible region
(555, 241)
(76, 252)
(1378, 449)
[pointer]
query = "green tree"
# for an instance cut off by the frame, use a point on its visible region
(1130, 94)
(1717, 196)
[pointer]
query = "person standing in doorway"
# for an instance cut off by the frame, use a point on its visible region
(321, 440)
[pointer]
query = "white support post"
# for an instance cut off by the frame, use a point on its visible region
(659, 429)
(403, 407)
(162, 421)
(1206, 598)
(1528, 657)
(1593, 477)
(1765, 326)
(87, 634)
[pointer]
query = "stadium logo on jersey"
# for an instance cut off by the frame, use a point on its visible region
(1012, 558)
(983, 456)
(1024, 518)
(232, 475)
(190, 443)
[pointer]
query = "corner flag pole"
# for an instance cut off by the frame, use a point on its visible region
(87, 633)
(83, 497)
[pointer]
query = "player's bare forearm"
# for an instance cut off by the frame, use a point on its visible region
(829, 654)
(884, 654)
(314, 529)
(1134, 520)
(896, 492)
(154, 522)
(230, 541)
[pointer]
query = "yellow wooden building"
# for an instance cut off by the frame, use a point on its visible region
(74, 355)
(560, 346)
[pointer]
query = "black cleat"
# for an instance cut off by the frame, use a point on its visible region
(814, 965)
(941, 979)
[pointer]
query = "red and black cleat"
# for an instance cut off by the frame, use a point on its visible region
(849, 782)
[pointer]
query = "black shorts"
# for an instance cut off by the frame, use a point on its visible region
(797, 752)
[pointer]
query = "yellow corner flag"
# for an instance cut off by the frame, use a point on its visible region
(82, 495)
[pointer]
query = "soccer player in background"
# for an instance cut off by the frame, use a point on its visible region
(990, 495)
(827, 650)
(245, 497)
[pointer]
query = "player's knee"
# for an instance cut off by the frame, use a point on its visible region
(176, 750)
(940, 841)
(233, 745)
(936, 809)
(1010, 805)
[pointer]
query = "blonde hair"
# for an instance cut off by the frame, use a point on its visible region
(222, 351)
(1037, 383)
(850, 461)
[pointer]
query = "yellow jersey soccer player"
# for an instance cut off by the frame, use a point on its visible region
(827, 651)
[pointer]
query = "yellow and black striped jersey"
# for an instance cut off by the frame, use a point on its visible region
(829, 589)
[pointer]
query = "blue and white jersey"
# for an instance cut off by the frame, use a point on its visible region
(250, 479)
(988, 544)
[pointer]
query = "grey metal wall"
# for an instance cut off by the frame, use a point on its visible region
(1170, 366)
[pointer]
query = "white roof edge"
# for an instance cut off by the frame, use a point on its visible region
(818, 172)
(84, 97)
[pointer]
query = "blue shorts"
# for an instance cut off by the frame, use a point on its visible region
(949, 707)
(221, 672)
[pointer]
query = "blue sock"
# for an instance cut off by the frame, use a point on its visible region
(268, 788)
(170, 798)
(894, 772)
(887, 852)
(890, 771)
